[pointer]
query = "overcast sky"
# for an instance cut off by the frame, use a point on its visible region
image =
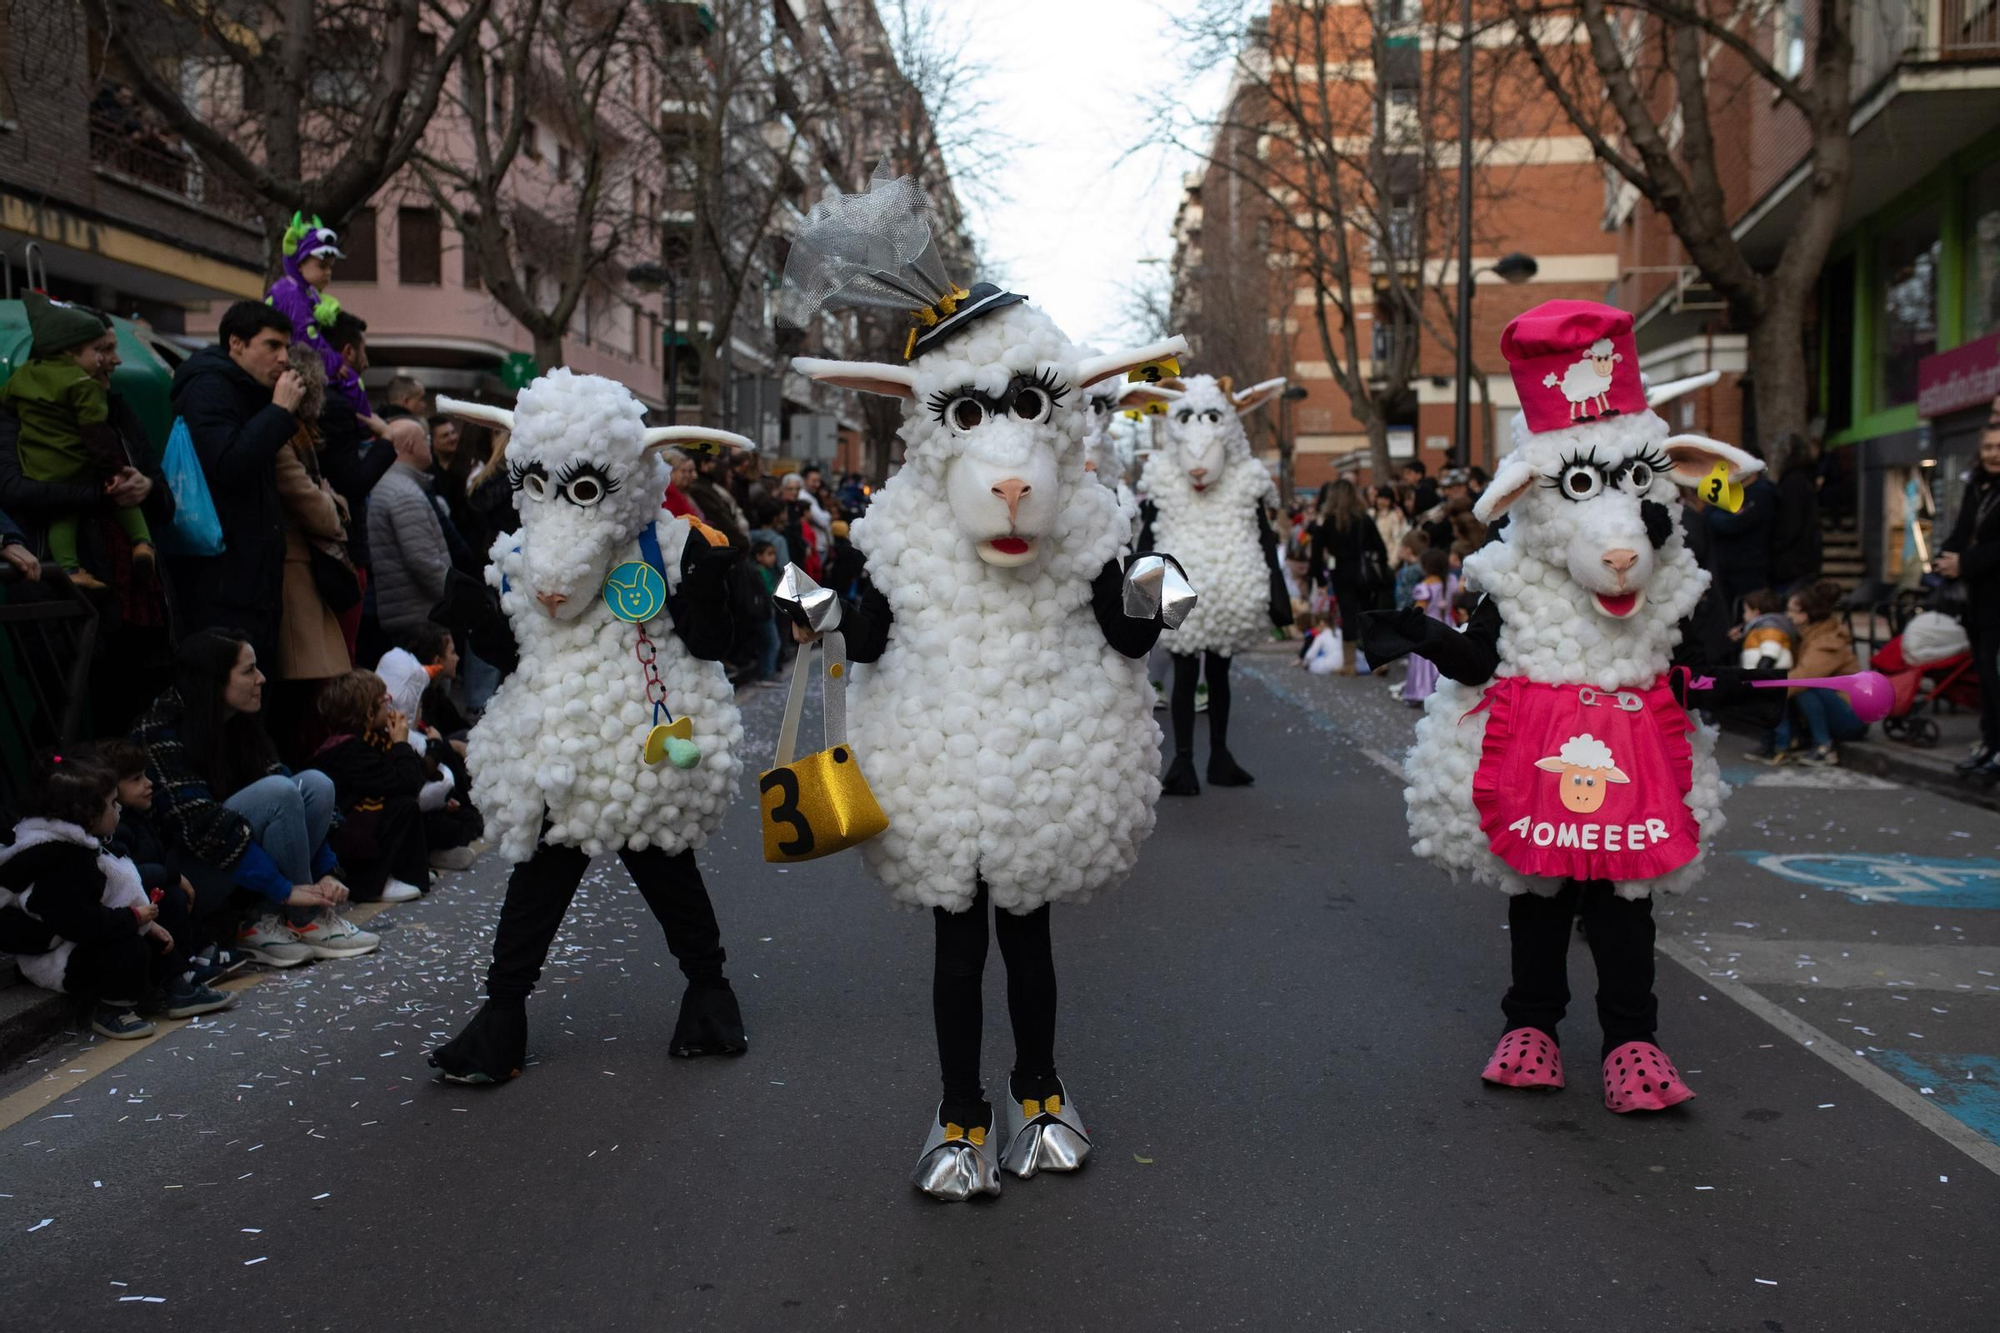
(1070, 83)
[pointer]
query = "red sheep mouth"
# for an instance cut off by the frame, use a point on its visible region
(1617, 605)
(1010, 545)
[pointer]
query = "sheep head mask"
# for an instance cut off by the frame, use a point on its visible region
(1591, 486)
(589, 476)
(997, 397)
(1204, 434)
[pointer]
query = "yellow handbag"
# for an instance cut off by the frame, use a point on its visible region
(820, 804)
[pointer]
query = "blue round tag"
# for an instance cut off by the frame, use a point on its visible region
(635, 592)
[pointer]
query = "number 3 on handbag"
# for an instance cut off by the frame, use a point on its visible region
(820, 804)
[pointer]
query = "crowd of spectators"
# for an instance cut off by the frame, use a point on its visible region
(320, 669)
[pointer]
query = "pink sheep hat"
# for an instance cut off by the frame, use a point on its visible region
(1525, 1058)
(1638, 1076)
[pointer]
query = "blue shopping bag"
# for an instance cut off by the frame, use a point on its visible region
(196, 530)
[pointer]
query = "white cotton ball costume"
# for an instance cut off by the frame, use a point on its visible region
(565, 731)
(1003, 737)
(1213, 532)
(1551, 633)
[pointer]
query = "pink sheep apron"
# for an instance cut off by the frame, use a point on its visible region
(1580, 783)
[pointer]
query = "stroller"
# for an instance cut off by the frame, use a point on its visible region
(1922, 685)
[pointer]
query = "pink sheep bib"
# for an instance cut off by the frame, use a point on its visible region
(1581, 783)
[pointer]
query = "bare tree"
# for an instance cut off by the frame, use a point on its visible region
(542, 228)
(1667, 68)
(310, 105)
(1341, 178)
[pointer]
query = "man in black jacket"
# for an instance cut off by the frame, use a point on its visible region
(237, 399)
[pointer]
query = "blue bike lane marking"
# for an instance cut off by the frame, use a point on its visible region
(1869, 877)
(1966, 1087)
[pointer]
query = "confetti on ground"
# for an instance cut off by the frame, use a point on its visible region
(1764, 1282)
(258, 1260)
(39, 1225)
(1826, 1106)
(318, 1197)
(150, 1300)
(1142, 1161)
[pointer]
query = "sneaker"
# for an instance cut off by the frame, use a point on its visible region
(222, 962)
(144, 559)
(272, 943)
(330, 935)
(396, 891)
(118, 1022)
(1823, 757)
(189, 997)
(89, 582)
(452, 858)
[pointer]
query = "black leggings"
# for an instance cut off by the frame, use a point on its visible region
(1188, 670)
(956, 1002)
(1620, 934)
(539, 894)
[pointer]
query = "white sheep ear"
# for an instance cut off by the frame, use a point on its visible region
(500, 418)
(698, 439)
(1666, 393)
(1257, 395)
(1141, 396)
(1094, 368)
(1510, 484)
(861, 376)
(1695, 456)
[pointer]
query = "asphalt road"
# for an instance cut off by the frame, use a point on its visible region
(1275, 1033)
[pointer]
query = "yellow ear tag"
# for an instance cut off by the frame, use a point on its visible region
(1168, 368)
(673, 741)
(1717, 489)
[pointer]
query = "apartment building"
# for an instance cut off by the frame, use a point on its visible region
(1390, 70)
(1904, 338)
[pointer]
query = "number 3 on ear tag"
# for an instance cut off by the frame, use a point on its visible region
(1717, 489)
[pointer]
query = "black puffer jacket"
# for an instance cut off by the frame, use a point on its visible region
(237, 432)
(1975, 540)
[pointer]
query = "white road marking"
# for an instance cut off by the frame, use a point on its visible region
(1836, 1052)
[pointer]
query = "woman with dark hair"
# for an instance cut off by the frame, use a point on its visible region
(1824, 650)
(1343, 538)
(253, 832)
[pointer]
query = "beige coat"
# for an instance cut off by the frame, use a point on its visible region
(310, 644)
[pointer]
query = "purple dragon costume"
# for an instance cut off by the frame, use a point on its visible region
(294, 297)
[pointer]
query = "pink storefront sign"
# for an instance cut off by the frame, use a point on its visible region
(1967, 376)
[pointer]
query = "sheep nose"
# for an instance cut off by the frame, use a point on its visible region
(1198, 473)
(1621, 561)
(551, 601)
(1011, 492)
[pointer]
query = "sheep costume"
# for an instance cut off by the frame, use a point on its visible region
(1559, 761)
(1206, 497)
(1000, 711)
(569, 760)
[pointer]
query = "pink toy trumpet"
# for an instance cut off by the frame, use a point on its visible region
(1869, 693)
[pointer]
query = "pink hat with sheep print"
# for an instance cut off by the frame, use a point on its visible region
(1573, 361)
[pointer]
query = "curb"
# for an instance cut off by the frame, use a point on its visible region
(1919, 768)
(29, 1016)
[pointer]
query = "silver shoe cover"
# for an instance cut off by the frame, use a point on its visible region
(1047, 1141)
(957, 1170)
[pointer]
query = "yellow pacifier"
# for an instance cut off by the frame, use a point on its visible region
(674, 742)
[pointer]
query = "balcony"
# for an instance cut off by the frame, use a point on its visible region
(138, 155)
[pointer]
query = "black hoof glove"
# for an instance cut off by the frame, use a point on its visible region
(710, 1022)
(1224, 771)
(1180, 779)
(492, 1048)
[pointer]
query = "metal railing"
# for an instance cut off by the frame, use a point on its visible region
(148, 157)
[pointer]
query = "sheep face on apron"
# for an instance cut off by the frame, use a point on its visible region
(1004, 738)
(565, 733)
(1591, 577)
(1207, 485)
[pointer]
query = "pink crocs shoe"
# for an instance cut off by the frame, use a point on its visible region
(1525, 1058)
(1638, 1076)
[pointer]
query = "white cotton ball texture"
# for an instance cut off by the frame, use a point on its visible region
(1212, 532)
(1552, 633)
(565, 734)
(1003, 737)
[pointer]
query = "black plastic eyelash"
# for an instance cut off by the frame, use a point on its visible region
(575, 470)
(1051, 385)
(940, 401)
(520, 472)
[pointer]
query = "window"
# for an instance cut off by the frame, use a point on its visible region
(419, 247)
(1906, 264)
(1982, 259)
(357, 244)
(1788, 42)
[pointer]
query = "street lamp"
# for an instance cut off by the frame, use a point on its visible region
(652, 277)
(1513, 269)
